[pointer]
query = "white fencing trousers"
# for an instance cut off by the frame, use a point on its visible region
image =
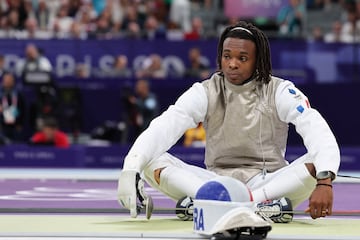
(293, 181)
(179, 179)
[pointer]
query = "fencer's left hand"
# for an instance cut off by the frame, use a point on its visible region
(321, 200)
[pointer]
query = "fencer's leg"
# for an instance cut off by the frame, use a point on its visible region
(175, 178)
(179, 182)
(294, 182)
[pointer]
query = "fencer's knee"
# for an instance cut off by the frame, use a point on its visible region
(157, 173)
(311, 168)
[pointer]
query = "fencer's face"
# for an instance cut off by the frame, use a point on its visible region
(238, 59)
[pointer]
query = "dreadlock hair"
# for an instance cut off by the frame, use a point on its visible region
(263, 58)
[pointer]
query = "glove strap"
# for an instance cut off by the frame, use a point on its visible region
(139, 185)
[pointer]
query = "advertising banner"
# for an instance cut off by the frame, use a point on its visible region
(253, 8)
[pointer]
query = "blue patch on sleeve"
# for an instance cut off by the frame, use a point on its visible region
(292, 91)
(300, 108)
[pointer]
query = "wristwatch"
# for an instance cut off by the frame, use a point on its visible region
(325, 175)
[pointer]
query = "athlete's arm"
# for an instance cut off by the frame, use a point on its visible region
(165, 130)
(293, 107)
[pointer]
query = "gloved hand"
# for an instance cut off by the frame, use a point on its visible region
(131, 193)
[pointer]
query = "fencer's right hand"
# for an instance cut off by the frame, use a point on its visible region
(131, 193)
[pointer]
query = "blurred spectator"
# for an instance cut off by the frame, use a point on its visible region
(131, 16)
(152, 68)
(53, 7)
(129, 113)
(13, 20)
(180, 14)
(77, 32)
(316, 35)
(291, 18)
(2, 66)
(146, 106)
(351, 27)
(33, 62)
(16, 14)
(357, 8)
(50, 135)
(74, 6)
(61, 24)
(33, 32)
(209, 13)
(195, 137)
(199, 66)
(348, 6)
(70, 107)
(117, 8)
(160, 10)
(336, 35)
(45, 106)
(103, 28)
(4, 5)
(85, 18)
(120, 67)
(133, 30)
(152, 29)
(31, 28)
(28, 6)
(42, 15)
(82, 71)
(174, 33)
(12, 109)
(196, 29)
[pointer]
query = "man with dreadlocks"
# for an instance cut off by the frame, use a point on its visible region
(245, 111)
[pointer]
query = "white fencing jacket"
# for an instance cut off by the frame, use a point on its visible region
(246, 127)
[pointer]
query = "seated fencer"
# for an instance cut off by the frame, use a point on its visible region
(245, 111)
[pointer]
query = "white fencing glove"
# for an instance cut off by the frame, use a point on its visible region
(131, 193)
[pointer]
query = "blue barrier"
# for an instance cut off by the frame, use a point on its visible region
(79, 156)
(331, 100)
(298, 60)
(34, 156)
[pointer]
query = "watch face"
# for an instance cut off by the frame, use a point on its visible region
(324, 175)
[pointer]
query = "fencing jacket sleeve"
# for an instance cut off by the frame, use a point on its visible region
(165, 130)
(293, 107)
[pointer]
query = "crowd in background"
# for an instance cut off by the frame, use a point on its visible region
(333, 21)
(140, 105)
(40, 115)
(105, 19)
(167, 19)
(48, 112)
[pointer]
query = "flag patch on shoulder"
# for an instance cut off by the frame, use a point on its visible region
(292, 91)
(300, 108)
